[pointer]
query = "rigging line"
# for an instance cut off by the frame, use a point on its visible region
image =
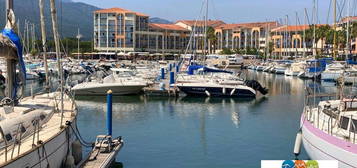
(215, 15)
(354, 7)
(307, 17)
(193, 31)
(340, 10)
(317, 12)
(328, 12)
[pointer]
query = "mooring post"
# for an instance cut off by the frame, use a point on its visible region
(162, 73)
(109, 112)
(172, 78)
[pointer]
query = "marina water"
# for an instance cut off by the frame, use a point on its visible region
(202, 132)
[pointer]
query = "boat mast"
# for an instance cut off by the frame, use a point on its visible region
(305, 27)
(348, 31)
(334, 28)
(10, 63)
(205, 34)
(79, 36)
(296, 32)
(58, 54)
(44, 40)
(314, 33)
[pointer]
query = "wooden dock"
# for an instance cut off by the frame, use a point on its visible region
(164, 91)
(104, 153)
(170, 92)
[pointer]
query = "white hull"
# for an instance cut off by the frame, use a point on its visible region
(321, 149)
(56, 150)
(101, 89)
(53, 150)
(330, 76)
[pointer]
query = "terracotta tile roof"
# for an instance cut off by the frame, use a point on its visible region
(248, 25)
(350, 18)
(293, 28)
(210, 23)
(119, 10)
(167, 27)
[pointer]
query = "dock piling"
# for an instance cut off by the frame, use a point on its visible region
(109, 112)
(172, 78)
(162, 73)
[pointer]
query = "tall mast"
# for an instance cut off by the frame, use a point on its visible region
(44, 39)
(348, 31)
(79, 36)
(304, 37)
(296, 32)
(314, 33)
(10, 63)
(9, 6)
(58, 54)
(205, 31)
(334, 28)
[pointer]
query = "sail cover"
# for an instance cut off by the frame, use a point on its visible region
(10, 33)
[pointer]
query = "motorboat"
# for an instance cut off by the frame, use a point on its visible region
(332, 72)
(214, 85)
(122, 81)
(295, 69)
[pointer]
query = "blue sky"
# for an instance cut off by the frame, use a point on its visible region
(230, 11)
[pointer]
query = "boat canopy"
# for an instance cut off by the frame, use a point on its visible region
(193, 68)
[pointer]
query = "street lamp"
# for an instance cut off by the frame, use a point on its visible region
(79, 36)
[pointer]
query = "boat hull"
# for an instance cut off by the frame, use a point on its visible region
(56, 152)
(102, 90)
(325, 76)
(216, 92)
(322, 146)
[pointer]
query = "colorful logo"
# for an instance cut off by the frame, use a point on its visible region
(288, 164)
(300, 164)
(312, 164)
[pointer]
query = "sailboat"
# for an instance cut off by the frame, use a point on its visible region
(328, 128)
(36, 131)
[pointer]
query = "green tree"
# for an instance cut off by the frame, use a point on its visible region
(226, 51)
(212, 39)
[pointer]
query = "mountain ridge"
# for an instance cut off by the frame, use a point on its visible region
(71, 16)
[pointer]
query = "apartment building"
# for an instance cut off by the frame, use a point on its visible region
(121, 30)
(244, 35)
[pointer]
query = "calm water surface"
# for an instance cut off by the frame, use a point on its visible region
(202, 132)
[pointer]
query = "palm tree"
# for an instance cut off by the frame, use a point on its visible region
(322, 33)
(212, 39)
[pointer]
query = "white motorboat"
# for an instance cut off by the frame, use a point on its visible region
(350, 76)
(121, 82)
(295, 69)
(332, 72)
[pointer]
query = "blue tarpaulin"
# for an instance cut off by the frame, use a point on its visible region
(193, 68)
(16, 40)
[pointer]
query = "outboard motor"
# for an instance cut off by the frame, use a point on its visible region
(256, 86)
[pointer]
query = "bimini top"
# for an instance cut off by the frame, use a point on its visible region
(193, 68)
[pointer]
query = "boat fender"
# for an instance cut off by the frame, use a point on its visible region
(232, 92)
(69, 162)
(208, 93)
(297, 146)
(77, 151)
(224, 90)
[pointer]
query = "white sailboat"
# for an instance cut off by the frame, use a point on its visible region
(37, 131)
